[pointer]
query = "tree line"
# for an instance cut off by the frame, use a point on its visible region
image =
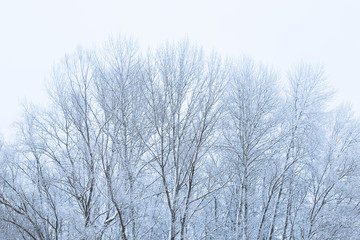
(180, 144)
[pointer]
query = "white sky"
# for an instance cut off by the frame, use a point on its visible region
(36, 34)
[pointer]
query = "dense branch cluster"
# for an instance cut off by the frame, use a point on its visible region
(176, 144)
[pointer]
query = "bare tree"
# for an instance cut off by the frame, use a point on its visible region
(68, 136)
(306, 95)
(119, 95)
(250, 132)
(182, 93)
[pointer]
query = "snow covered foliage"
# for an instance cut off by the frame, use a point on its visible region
(177, 144)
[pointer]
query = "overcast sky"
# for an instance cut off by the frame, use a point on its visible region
(36, 34)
